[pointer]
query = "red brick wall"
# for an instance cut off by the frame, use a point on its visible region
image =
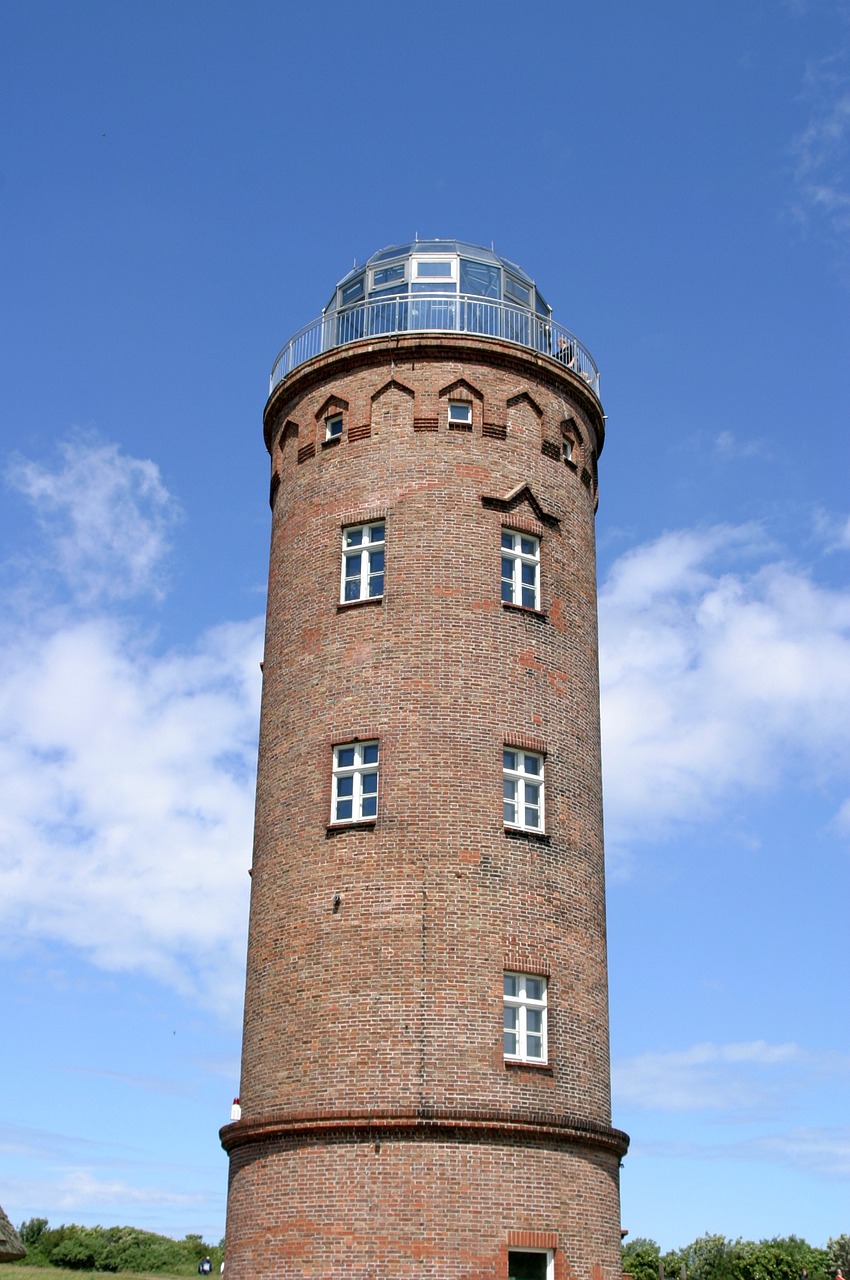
(387, 1003)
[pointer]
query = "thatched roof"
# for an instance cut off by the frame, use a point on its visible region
(10, 1242)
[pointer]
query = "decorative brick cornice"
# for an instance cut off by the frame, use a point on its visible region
(429, 1124)
(374, 351)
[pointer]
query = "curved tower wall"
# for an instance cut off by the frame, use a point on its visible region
(384, 1133)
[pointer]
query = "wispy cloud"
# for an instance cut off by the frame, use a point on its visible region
(822, 149)
(106, 518)
(724, 670)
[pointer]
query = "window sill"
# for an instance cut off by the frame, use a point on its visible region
(544, 1068)
(521, 608)
(358, 604)
(358, 824)
(521, 833)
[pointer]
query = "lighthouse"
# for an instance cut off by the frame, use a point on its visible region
(425, 1087)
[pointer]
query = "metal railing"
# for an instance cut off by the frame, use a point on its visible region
(436, 313)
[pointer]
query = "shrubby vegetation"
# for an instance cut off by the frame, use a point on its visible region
(113, 1249)
(716, 1258)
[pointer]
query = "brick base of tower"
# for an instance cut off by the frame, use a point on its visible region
(378, 1206)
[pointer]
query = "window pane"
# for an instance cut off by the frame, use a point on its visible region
(376, 561)
(376, 533)
(507, 591)
(370, 783)
(376, 585)
(478, 277)
(529, 598)
(353, 537)
(534, 1047)
(352, 565)
(345, 785)
(534, 988)
(529, 573)
(507, 539)
(352, 291)
(534, 1024)
(511, 984)
(531, 764)
(509, 759)
(528, 546)
(532, 795)
(345, 757)
(352, 589)
(510, 1043)
(527, 1266)
(370, 806)
(509, 1020)
(343, 809)
(386, 275)
(433, 268)
(370, 753)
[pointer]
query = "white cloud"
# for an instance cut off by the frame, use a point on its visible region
(107, 517)
(79, 1189)
(126, 774)
(723, 671)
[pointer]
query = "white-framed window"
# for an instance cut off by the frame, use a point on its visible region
(436, 269)
(531, 1264)
(355, 782)
(569, 448)
(524, 1008)
(460, 413)
(520, 569)
(333, 426)
(522, 789)
(362, 562)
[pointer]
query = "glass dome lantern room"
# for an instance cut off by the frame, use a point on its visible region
(438, 286)
(438, 267)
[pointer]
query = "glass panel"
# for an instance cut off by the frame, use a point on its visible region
(370, 806)
(534, 988)
(529, 573)
(370, 753)
(352, 589)
(334, 427)
(511, 984)
(531, 764)
(507, 590)
(529, 598)
(509, 759)
(376, 533)
(514, 289)
(376, 585)
(507, 540)
(352, 291)
(532, 818)
(532, 795)
(345, 786)
(353, 537)
(386, 275)
(428, 268)
(345, 757)
(509, 1042)
(528, 546)
(376, 560)
(370, 783)
(478, 277)
(534, 1022)
(460, 412)
(343, 810)
(534, 1047)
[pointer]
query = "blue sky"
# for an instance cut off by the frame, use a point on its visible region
(181, 186)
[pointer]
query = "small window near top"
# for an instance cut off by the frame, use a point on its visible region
(352, 291)
(460, 413)
(569, 448)
(333, 426)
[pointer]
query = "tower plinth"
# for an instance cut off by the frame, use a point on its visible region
(425, 1074)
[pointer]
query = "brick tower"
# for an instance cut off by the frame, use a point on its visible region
(425, 1073)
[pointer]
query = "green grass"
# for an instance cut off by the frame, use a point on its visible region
(24, 1272)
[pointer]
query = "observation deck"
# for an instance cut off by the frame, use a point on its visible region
(437, 286)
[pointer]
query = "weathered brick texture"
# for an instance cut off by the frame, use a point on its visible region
(382, 1132)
